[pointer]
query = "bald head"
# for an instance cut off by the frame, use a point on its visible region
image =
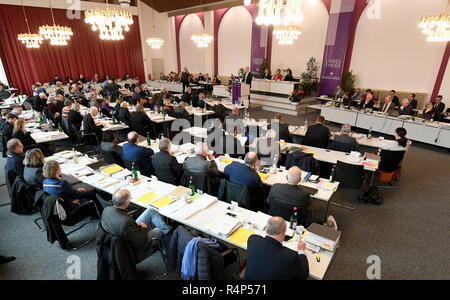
(276, 228)
(294, 175)
(250, 159)
(132, 137)
(121, 199)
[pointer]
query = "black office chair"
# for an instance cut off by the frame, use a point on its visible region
(3, 145)
(129, 166)
(10, 177)
(112, 157)
(342, 147)
(351, 179)
(201, 182)
(166, 175)
(315, 142)
(284, 210)
(234, 192)
(390, 166)
(22, 197)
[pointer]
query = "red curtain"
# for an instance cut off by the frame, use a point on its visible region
(85, 53)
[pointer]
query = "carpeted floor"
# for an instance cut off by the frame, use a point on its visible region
(409, 232)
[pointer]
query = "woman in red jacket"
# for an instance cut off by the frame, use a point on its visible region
(278, 75)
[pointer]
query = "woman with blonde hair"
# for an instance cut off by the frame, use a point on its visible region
(74, 116)
(33, 162)
(21, 134)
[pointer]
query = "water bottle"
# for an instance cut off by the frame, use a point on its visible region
(60, 129)
(149, 141)
(369, 134)
(294, 218)
(333, 171)
(134, 172)
(75, 156)
(191, 186)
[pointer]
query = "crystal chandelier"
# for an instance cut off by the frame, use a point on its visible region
(30, 40)
(154, 42)
(58, 35)
(279, 12)
(202, 40)
(437, 28)
(110, 22)
(287, 34)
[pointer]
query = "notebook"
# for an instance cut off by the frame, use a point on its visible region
(227, 225)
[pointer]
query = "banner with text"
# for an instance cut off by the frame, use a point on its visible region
(259, 44)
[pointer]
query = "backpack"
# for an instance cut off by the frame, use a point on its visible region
(372, 196)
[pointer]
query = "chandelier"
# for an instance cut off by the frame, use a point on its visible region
(279, 12)
(58, 35)
(30, 40)
(202, 40)
(110, 22)
(287, 34)
(154, 42)
(437, 28)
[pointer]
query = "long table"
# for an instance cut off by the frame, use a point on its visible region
(273, 87)
(434, 133)
(204, 220)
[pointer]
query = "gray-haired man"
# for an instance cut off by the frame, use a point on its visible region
(166, 166)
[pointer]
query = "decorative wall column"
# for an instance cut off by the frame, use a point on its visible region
(441, 73)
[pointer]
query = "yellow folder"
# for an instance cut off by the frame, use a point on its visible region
(226, 161)
(263, 176)
(147, 198)
(112, 169)
(240, 236)
(162, 202)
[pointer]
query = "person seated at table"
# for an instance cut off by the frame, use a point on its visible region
(187, 96)
(368, 101)
(438, 105)
(136, 96)
(43, 89)
(165, 164)
(268, 259)
(400, 143)
(201, 103)
(162, 76)
(140, 120)
(207, 78)
(357, 96)
(55, 79)
(291, 194)
(33, 162)
(405, 109)
(317, 135)
(339, 93)
(142, 156)
(82, 79)
(124, 114)
(60, 89)
(200, 77)
(117, 106)
(267, 74)
(74, 116)
(54, 184)
(3, 119)
(245, 173)
(344, 142)
(4, 94)
(137, 234)
(283, 129)
(53, 107)
(88, 124)
(289, 76)
(36, 89)
(39, 102)
(387, 106)
(14, 157)
(203, 162)
(109, 144)
(428, 111)
(8, 127)
(268, 148)
(17, 111)
(20, 133)
(96, 79)
(105, 108)
(127, 76)
(181, 110)
(277, 76)
(233, 123)
(394, 98)
(346, 99)
(60, 101)
(413, 101)
(216, 80)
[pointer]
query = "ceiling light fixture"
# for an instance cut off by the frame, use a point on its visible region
(30, 40)
(154, 42)
(437, 27)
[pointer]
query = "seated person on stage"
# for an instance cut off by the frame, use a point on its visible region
(181, 109)
(109, 143)
(339, 93)
(54, 184)
(8, 127)
(164, 161)
(4, 94)
(283, 129)
(400, 143)
(289, 76)
(140, 120)
(216, 80)
(124, 113)
(344, 142)
(387, 106)
(203, 162)
(317, 135)
(142, 156)
(162, 76)
(15, 156)
(32, 174)
(405, 109)
(106, 109)
(413, 101)
(74, 116)
(394, 98)
(200, 77)
(357, 96)
(89, 125)
(21, 134)
(291, 194)
(428, 111)
(278, 76)
(137, 234)
(268, 148)
(267, 74)
(438, 105)
(368, 101)
(245, 173)
(187, 96)
(346, 99)
(268, 259)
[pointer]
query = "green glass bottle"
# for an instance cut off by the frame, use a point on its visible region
(294, 219)
(113, 118)
(191, 186)
(414, 116)
(134, 172)
(369, 134)
(333, 172)
(41, 118)
(60, 128)
(149, 141)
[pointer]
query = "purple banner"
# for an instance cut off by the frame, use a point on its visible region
(259, 44)
(341, 13)
(236, 93)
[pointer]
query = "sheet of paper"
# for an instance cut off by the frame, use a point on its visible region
(172, 208)
(186, 212)
(205, 200)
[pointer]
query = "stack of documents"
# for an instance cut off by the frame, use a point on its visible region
(227, 225)
(322, 236)
(259, 220)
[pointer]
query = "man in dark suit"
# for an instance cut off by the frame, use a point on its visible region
(344, 142)
(141, 155)
(248, 76)
(137, 234)
(124, 114)
(203, 162)
(405, 109)
(181, 110)
(268, 259)
(283, 129)
(166, 166)
(438, 105)
(187, 96)
(39, 102)
(15, 156)
(8, 127)
(291, 194)
(317, 135)
(88, 125)
(4, 94)
(140, 121)
(394, 98)
(413, 101)
(245, 173)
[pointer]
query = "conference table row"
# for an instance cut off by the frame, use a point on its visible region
(150, 192)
